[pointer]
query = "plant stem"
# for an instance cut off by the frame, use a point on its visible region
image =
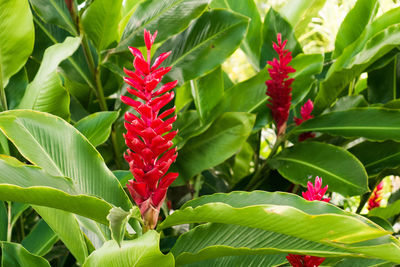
(9, 226)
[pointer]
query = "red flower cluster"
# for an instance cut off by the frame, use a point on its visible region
(376, 197)
(305, 113)
(149, 136)
(279, 86)
(314, 192)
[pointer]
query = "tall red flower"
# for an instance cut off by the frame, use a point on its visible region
(149, 136)
(314, 192)
(305, 113)
(376, 197)
(279, 86)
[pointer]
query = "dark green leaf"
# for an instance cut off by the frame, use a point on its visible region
(16, 256)
(40, 240)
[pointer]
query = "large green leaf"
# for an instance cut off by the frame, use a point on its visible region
(386, 212)
(274, 24)
(46, 92)
(377, 156)
(218, 240)
(173, 15)
(16, 255)
(61, 150)
(362, 14)
(54, 12)
(16, 37)
(40, 239)
(377, 124)
(339, 169)
(207, 91)
(97, 126)
(223, 139)
(143, 251)
(378, 39)
(242, 261)
(100, 22)
(31, 184)
(251, 45)
(204, 45)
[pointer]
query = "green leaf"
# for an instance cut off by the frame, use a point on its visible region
(3, 221)
(362, 14)
(300, 13)
(339, 169)
(54, 12)
(16, 87)
(173, 15)
(386, 212)
(376, 124)
(379, 38)
(15, 255)
(97, 126)
(100, 22)
(242, 164)
(61, 150)
(223, 139)
(209, 241)
(247, 260)
(251, 45)
(274, 24)
(118, 219)
(46, 92)
(40, 239)
(377, 156)
(207, 92)
(204, 45)
(31, 184)
(382, 85)
(143, 251)
(67, 228)
(359, 262)
(17, 37)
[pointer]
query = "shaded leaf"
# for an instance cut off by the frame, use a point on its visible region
(17, 256)
(40, 239)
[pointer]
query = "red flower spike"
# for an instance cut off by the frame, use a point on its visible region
(149, 135)
(305, 113)
(376, 197)
(279, 86)
(314, 192)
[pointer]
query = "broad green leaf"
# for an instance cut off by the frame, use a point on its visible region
(183, 96)
(118, 219)
(243, 261)
(274, 24)
(348, 102)
(97, 126)
(100, 22)
(382, 84)
(299, 13)
(173, 15)
(386, 212)
(223, 139)
(15, 255)
(67, 228)
(40, 239)
(339, 169)
(61, 150)
(204, 45)
(359, 262)
(127, 10)
(54, 12)
(31, 184)
(209, 241)
(376, 124)
(46, 92)
(3, 221)
(207, 91)
(362, 14)
(143, 251)
(16, 210)
(377, 156)
(251, 45)
(16, 38)
(16, 87)
(379, 38)
(242, 164)
(189, 125)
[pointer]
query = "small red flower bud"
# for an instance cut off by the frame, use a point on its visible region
(376, 197)
(305, 113)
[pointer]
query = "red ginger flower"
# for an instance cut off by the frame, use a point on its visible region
(376, 197)
(279, 86)
(312, 193)
(149, 137)
(305, 113)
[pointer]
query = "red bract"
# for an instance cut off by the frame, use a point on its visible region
(314, 192)
(279, 86)
(149, 134)
(376, 197)
(305, 113)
